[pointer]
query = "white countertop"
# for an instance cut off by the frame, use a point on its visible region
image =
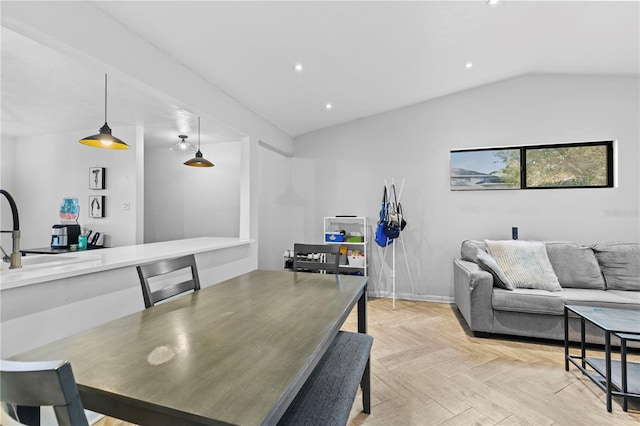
(87, 262)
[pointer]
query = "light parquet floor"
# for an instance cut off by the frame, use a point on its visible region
(427, 369)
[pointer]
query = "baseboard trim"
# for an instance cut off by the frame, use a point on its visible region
(408, 296)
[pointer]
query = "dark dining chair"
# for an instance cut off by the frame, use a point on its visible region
(158, 269)
(26, 386)
(316, 257)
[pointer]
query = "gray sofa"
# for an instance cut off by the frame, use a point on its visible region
(604, 275)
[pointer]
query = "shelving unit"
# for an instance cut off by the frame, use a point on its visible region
(350, 225)
(353, 227)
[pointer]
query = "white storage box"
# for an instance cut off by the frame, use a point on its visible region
(356, 261)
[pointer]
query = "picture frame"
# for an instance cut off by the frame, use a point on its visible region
(97, 177)
(97, 206)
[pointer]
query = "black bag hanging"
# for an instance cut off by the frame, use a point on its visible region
(403, 222)
(392, 226)
(381, 238)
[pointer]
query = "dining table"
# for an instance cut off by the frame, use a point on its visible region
(236, 352)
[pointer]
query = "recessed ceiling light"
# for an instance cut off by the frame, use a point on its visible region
(468, 65)
(298, 67)
(493, 2)
(328, 106)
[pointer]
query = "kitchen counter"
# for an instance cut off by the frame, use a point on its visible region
(57, 295)
(76, 263)
(54, 250)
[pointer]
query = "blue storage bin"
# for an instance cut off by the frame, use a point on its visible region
(333, 237)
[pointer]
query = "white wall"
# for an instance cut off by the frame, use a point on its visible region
(7, 183)
(57, 166)
(280, 208)
(185, 202)
(344, 168)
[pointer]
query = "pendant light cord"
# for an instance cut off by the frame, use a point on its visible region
(198, 133)
(105, 98)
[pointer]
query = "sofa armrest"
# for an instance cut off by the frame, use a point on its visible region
(473, 289)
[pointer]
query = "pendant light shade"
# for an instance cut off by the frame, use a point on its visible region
(104, 139)
(198, 160)
(183, 145)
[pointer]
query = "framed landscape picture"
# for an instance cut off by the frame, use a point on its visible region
(97, 178)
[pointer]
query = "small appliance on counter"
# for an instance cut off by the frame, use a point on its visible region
(64, 235)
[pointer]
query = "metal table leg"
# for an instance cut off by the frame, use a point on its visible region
(607, 348)
(583, 343)
(623, 367)
(566, 339)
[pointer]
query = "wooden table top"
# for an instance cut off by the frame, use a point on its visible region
(236, 352)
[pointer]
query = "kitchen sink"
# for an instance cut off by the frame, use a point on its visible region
(45, 258)
(38, 261)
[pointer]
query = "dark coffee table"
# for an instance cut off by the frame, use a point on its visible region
(621, 378)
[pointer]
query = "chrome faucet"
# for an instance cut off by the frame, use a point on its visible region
(16, 257)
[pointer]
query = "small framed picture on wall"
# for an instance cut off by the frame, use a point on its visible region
(96, 205)
(97, 177)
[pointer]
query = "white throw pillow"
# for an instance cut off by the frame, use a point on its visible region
(525, 263)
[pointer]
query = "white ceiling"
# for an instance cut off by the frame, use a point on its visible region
(47, 92)
(363, 57)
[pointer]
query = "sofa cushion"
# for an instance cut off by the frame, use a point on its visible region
(575, 265)
(528, 300)
(469, 249)
(633, 295)
(620, 265)
(525, 263)
(599, 298)
(552, 303)
(488, 263)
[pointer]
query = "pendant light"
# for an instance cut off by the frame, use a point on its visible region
(198, 160)
(183, 145)
(104, 139)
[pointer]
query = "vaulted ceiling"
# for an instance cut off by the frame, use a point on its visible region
(362, 57)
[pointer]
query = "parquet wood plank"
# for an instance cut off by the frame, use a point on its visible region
(514, 421)
(431, 413)
(441, 392)
(469, 417)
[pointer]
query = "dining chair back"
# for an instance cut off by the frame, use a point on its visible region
(157, 269)
(26, 386)
(316, 257)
